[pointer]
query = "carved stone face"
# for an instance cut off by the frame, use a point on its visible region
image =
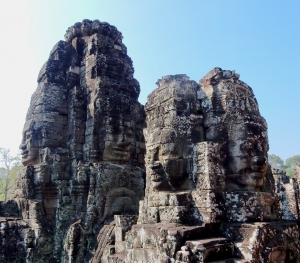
(29, 146)
(96, 25)
(246, 162)
(297, 170)
(83, 172)
(86, 27)
(168, 168)
(119, 144)
(174, 125)
(282, 255)
(69, 34)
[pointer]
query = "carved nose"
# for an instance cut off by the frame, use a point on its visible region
(259, 160)
(154, 157)
(122, 143)
(22, 146)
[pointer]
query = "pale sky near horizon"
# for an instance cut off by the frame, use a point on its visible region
(258, 39)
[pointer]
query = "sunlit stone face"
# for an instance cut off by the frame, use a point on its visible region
(86, 27)
(119, 144)
(166, 164)
(30, 145)
(173, 127)
(246, 163)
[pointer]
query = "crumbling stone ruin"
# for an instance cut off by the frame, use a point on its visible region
(184, 178)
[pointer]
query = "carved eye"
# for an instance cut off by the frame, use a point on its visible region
(27, 136)
(129, 133)
(247, 145)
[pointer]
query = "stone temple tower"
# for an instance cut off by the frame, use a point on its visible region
(83, 146)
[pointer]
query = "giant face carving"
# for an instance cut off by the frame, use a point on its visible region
(246, 163)
(297, 170)
(168, 168)
(174, 124)
(120, 143)
(38, 135)
(30, 144)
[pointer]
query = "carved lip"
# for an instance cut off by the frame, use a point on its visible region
(157, 173)
(258, 168)
(256, 175)
(157, 177)
(24, 153)
(157, 169)
(247, 178)
(120, 151)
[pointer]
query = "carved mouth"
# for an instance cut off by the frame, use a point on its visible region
(247, 178)
(120, 151)
(124, 153)
(157, 177)
(258, 169)
(157, 173)
(252, 174)
(159, 170)
(256, 175)
(24, 153)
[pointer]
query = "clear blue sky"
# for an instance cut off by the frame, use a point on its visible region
(258, 39)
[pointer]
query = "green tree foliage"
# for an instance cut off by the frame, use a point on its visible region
(275, 161)
(288, 166)
(290, 163)
(9, 168)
